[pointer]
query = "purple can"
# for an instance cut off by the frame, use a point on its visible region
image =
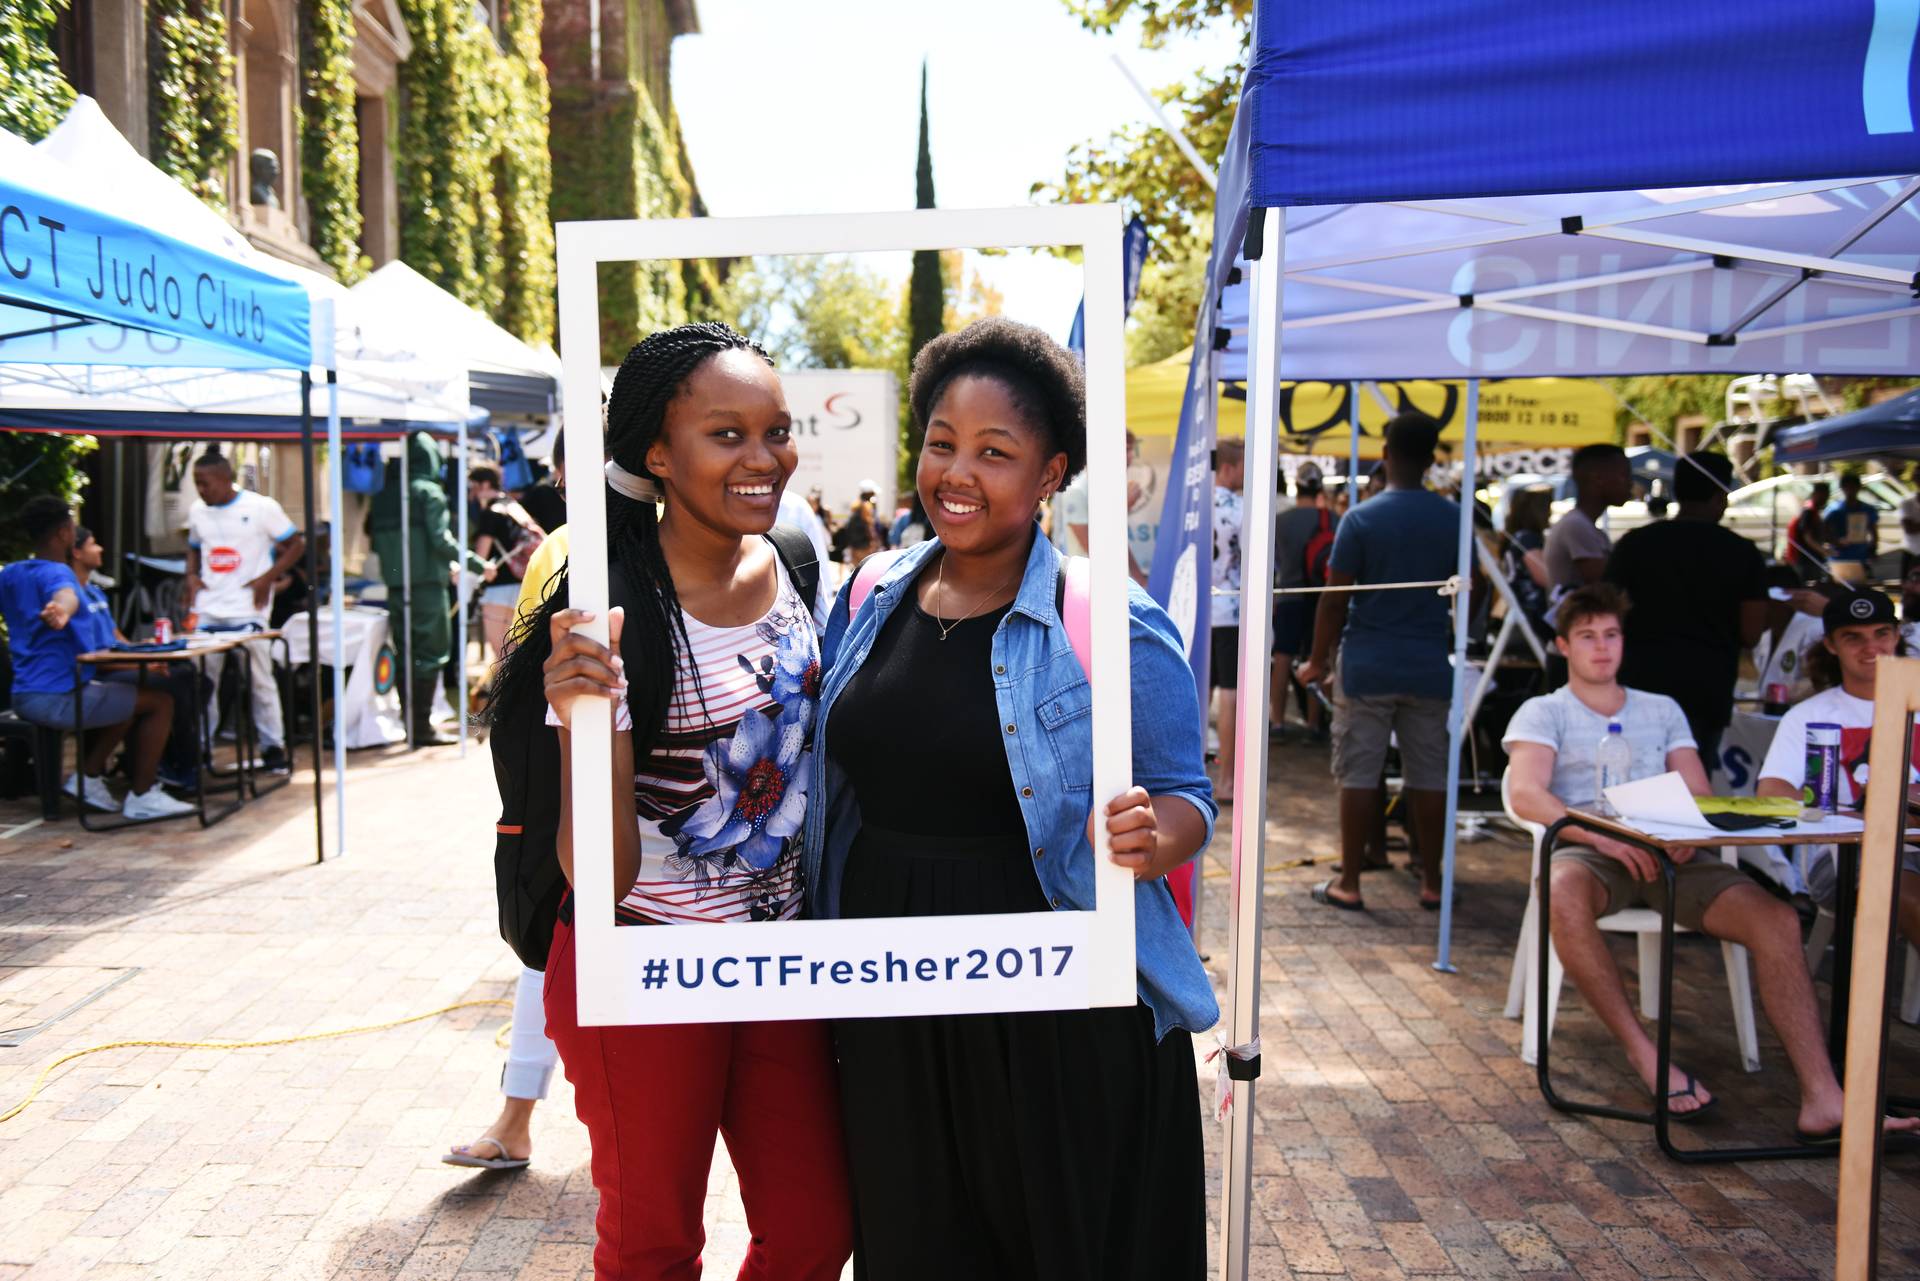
(1821, 791)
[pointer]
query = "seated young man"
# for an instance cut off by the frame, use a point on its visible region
(40, 598)
(1861, 630)
(1551, 745)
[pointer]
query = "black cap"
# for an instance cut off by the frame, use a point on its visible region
(1857, 608)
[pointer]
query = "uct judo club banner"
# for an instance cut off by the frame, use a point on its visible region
(1379, 100)
(79, 286)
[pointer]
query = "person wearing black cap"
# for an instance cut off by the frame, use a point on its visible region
(1861, 630)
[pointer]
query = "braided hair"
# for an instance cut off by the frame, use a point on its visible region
(654, 634)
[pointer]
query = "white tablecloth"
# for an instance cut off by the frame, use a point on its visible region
(373, 698)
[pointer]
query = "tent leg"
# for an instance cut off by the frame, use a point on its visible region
(406, 601)
(1250, 783)
(1456, 716)
(1353, 448)
(313, 616)
(337, 600)
(463, 631)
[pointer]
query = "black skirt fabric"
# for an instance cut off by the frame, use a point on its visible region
(1044, 1146)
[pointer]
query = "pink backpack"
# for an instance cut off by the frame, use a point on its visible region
(1075, 611)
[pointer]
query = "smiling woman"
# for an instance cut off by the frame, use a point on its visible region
(710, 790)
(959, 782)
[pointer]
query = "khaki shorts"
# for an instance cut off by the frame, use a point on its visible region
(1365, 724)
(1696, 884)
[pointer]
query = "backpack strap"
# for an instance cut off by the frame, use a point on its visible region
(1073, 601)
(796, 551)
(866, 577)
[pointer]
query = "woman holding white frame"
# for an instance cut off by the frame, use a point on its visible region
(709, 790)
(956, 780)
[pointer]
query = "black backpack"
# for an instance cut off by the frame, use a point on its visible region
(527, 879)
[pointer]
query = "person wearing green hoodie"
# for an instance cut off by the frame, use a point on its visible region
(432, 554)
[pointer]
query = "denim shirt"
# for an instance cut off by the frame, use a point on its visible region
(1041, 690)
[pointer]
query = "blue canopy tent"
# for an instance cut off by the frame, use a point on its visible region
(1890, 429)
(85, 287)
(1468, 128)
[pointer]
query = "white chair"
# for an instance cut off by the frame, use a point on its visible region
(1523, 1000)
(1822, 934)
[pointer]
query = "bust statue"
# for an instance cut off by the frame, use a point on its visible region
(264, 169)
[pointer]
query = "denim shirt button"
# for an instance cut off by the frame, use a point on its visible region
(1010, 727)
(1026, 791)
(1040, 852)
(999, 669)
(1054, 903)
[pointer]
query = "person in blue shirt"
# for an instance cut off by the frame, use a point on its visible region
(1853, 534)
(94, 623)
(1396, 678)
(953, 776)
(41, 601)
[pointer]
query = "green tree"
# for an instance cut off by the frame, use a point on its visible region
(32, 464)
(1140, 168)
(927, 291)
(36, 95)
(820, 313)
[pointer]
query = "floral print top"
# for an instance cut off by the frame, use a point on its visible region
(722, 795)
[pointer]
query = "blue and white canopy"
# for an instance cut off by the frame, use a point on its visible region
(82, 285)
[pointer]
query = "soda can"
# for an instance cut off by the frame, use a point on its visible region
(163, 630)
(1821, 791)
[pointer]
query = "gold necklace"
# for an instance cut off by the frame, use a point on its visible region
(940, 587)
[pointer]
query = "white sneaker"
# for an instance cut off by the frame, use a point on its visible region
(155, 803)
(94, 791)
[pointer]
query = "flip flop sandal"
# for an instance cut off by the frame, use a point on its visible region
(1322, 896)
(1818, 1138)
(1692, 1091)
(501, 1162)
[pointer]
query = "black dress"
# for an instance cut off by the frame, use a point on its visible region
(1044, 1146)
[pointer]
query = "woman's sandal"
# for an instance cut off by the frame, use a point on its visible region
(1322, 894)
(474, 1160)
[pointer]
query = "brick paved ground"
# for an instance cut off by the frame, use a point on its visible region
(1398, 1134)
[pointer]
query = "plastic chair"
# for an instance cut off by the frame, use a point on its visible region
(1523, 985)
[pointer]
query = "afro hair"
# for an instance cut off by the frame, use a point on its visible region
(1043, 379)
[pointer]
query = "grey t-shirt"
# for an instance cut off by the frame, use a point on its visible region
(1574, 537)
(1652, 724)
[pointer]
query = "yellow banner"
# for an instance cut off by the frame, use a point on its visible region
(1514, 412)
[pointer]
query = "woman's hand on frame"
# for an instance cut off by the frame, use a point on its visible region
(580, 666)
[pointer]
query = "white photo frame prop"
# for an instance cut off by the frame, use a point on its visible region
(865, 968)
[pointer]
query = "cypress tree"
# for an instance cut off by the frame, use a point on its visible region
(927, 294)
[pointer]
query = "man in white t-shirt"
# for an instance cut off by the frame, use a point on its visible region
(1223, 666)
(238, 544)
(1860, 632)
(1552, 745)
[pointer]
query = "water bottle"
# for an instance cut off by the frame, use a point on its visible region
(1612, 764)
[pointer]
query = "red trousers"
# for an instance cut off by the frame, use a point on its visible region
(653, 1098)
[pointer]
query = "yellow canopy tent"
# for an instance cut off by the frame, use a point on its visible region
(1514, 413)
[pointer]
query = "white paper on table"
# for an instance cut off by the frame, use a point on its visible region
(1664, 798)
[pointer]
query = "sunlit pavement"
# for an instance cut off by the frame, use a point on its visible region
(1397, 1134)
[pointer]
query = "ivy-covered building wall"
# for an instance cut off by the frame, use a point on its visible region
(618, 153)
(34, 95)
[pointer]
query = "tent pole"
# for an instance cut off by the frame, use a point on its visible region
(1353, 449)
(462, 631)
(1267, 258)
(1456, 714)
(313, 617)
(406, 597)
(337, 592)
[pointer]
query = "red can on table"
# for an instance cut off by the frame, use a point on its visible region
(163, 630)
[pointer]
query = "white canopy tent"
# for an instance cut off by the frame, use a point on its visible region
(132, 381)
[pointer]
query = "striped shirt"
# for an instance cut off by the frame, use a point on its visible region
(721, 795)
